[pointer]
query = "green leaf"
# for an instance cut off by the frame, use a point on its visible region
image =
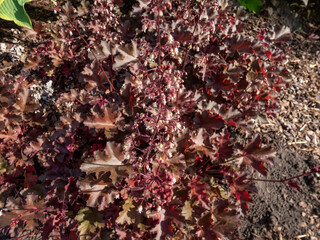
(299, 28)
(89, 221)
(123, 215)
(54, 2)
(252, 5)
(13, 10)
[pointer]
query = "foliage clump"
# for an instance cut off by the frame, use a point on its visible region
(140, 137)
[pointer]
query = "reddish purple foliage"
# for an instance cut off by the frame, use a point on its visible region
(138, 140)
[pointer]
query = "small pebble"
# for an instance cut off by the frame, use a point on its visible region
(309, 132)
(311, 220)
(3, 47)
(270, 11)
(303, 224)
(303, 204)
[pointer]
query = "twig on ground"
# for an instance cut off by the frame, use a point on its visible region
(299, 142)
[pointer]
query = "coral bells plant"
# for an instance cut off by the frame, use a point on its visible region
(129, 122)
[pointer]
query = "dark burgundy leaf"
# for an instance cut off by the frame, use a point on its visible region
(281, 34)
(294, 185)
(208, 121)
(182, 35)
(237, 43)
(130, 141)
(255, 156)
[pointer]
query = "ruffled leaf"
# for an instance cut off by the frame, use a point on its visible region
(108, 160)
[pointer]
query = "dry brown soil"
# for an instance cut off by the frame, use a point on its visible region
(279, 212)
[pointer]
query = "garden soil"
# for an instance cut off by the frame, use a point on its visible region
(278, 211)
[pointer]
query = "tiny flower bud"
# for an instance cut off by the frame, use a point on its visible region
(158, 209)
(140, 209)
(176, 51)
(174, 180)
(144, 28)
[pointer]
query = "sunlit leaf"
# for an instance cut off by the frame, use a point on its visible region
(123, 215)
(187, 210)
(127, 54)
(13, 10)
(109, 160)
(90, 220)
(252, 5)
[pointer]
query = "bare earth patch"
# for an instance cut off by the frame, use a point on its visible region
(279, 212)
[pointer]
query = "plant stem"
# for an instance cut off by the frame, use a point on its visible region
(88, 46)
(315, 170)
(309, 37)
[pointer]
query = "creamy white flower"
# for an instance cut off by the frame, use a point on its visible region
(176, 51)
(158, 209)
(174, 180)
(139, 210)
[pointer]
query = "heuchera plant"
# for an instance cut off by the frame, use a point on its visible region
(142, 137)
